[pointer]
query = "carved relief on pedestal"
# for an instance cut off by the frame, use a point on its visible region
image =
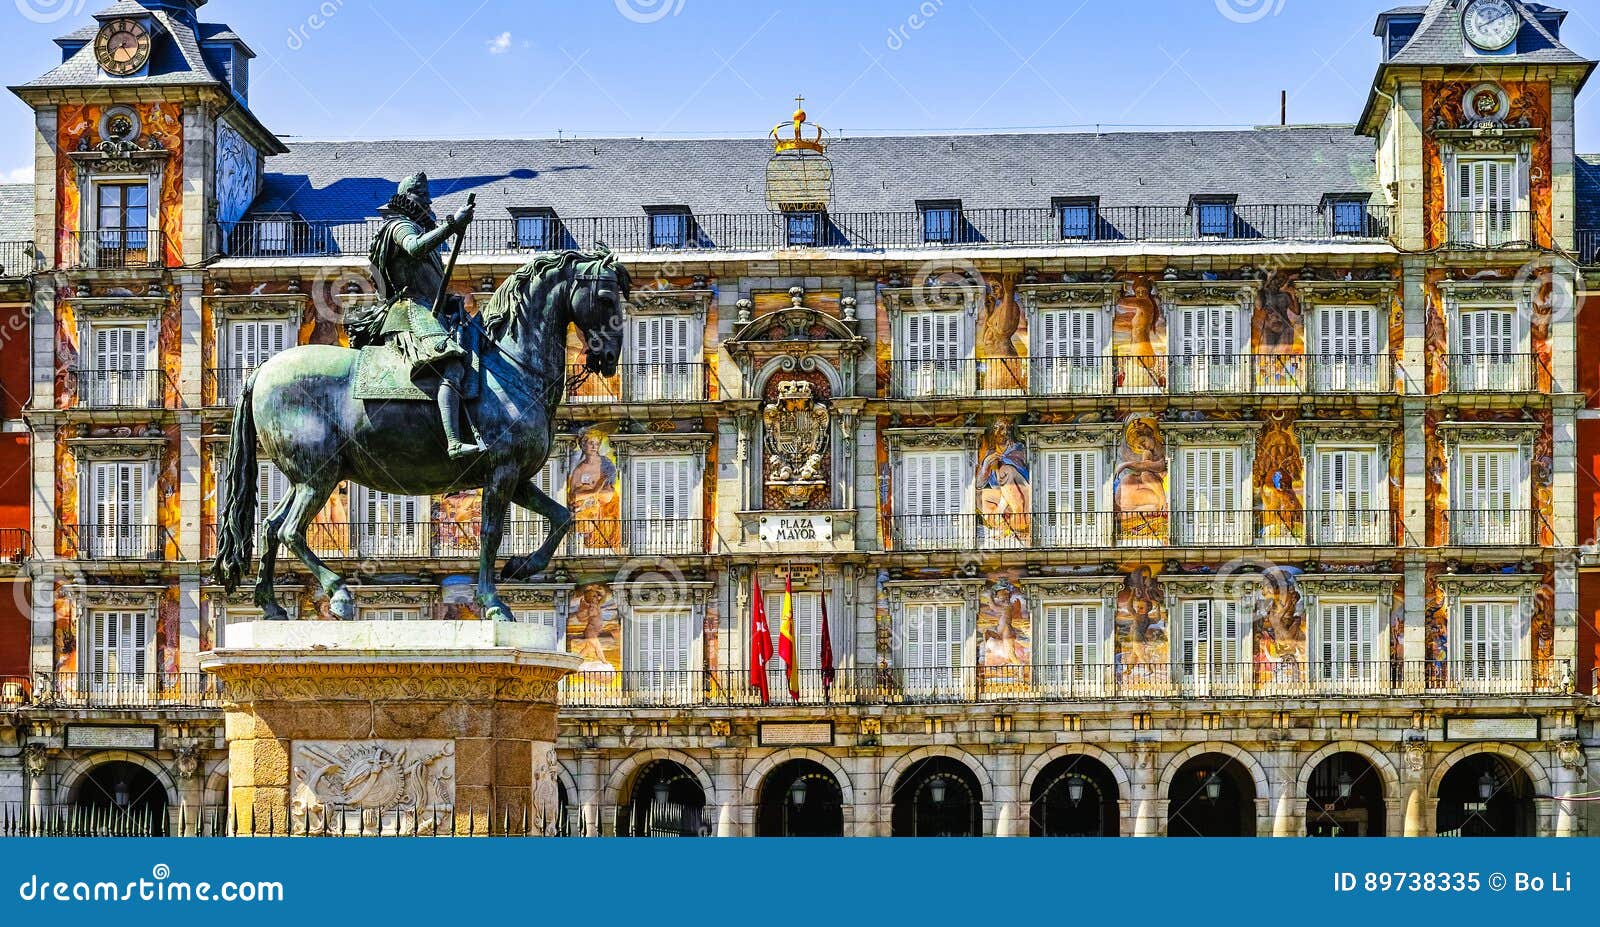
(546, 819)
(797, 459)
(343, 785)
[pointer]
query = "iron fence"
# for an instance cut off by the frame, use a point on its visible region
(1488, 228)
(430, 540)
(656, 383)
(17, 258)
(1490, 527)
(224, 385)
(85, 820)
(1588, 245)
(128, 690)
(119, 389)
(278, 237)
(113, 249)
(115, 542)
(16, 545)
(1491, 373)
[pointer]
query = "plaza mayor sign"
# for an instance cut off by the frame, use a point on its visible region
(796, 529)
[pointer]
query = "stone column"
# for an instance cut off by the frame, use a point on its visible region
(452, 723)
(1006, 770)
(1149, 809)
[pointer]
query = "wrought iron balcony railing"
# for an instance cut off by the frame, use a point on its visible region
(115, 542)
(111, 249)
(1150, 375)
(1491, 527)
(17, 259)
(768, 232)
(119, 389)
(656, 383)
(1491, 373)
(224, 385)
(16, 545)
(1059, 682)
(424, 540)
(1488, 228)
(1100, 529)
(1588, 243)
(15, 691)
(129, 690)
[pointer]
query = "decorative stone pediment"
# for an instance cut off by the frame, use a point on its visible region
(108, 308)
(1071, 295)
(670, 302)
(117, 448)
(1484, 292)
(1335, 431)
(1206, 293)
(130, 597)
(795, 323)
(1071, 587)
(933, 298)
(1463, 585)
(1220, 586)
(1346, 292)
(1379, 585)
(659, 590)
(378, 596)
(543, 595)
(922, 439)
(1457, 433)
(1180, 433)
(953, 589)
(121, 157)
(1092, 434)
(259, 306)
(662, 443)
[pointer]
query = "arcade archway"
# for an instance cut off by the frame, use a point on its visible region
(1486, 795)
(1212, 795)
(800, 798)
(1075, 796)
(937, 797)
(666, 801)
(1344, 798)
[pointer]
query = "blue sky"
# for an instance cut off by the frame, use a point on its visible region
(496, 68)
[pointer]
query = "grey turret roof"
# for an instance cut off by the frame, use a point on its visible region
(1440, 39)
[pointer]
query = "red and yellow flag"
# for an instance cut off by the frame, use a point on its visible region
(786, 639)
(760, 642)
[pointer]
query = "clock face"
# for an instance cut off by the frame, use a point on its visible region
(122, 47)
(1491, 24)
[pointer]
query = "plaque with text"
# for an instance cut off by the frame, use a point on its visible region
(99, 737)
(796, 529)
(797, 733)
(1491, 728)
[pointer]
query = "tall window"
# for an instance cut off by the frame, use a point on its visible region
(271, 487)
(1074, 513)
(1489, 508)
(935, 644)
(930, 364)
(526, 530)
(1206, 350)
(666, 511)
(941, 221)
(118, 645)
(544, 616)
(933, 496)
(1070, 653)
(1489, 633)
(122, 523)
(118, 373)
(1213, 218)
(379, 613)
(1351, 507)
(251, 343)
(669, 228)
(1346, 358)
(391, 525)
(1486, 201)
(1070, 351)
(1213, 642)
(659, 654)
(122, 220)
(808, 636)
(1211, 493)
(1487, 352)
(665, 366)
(1345, 645)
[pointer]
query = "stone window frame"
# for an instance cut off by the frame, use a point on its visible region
(1379, 590)
(964, 439)
(961, 591)
(1518, 437)
(1337, 434)
(1458, 589)
(1034, 299)
(1043, 592)
(1241, 435)
(1467, 295)
(219, 608)
(424, 598)
(637, 595)
(630, 447)
(87, 451)
(86, 600)
(555, 596)
(96, 312)
(681, 303)
(1180, 589)
(1319, 295)
(965, 299)
(1102, 437)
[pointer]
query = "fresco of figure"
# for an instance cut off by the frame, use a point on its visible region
(1005, 627)
(592, 494)
(1138, 326)
(1141, 623)
(1140, 482)
(592, 627)
(1005, 495)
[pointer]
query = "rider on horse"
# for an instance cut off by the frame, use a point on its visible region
(410, 276)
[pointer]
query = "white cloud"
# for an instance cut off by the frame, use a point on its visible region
(19, 175)
(500, 44)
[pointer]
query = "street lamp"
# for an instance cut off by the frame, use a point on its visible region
(1214, 787)
(1346, 785)
(661, 792)
(1487, 786)
(936, 789)
(797, 793)
(120, 796)
(1074, 790)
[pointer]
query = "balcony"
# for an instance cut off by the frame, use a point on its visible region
(17, 259)
(1588, 245)
(119, 389)
(1491, 527)
(1490, 373)
(863, 230)
(653, 383)
(15, 692)
(115, 542)
(224, 385)
(1098, 529)
(130, 690)
(114, 249)
(16, 545)
(460, 540)
(1070, 683)
(1489, 229)
(1155, 375)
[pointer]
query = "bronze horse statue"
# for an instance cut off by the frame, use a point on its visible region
(301, 407)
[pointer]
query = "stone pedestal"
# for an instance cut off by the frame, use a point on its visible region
(427, 727)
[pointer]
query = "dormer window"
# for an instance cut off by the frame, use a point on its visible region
(536, 229)
(941, 221)
(1213, 216)
(1077, 217)
(1347, 215)
(802, 228)
(669, 226)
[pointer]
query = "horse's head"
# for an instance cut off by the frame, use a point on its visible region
(600, 289)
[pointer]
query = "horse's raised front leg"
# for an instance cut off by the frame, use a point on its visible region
(305, 501)
(496, 504)
(265, 597)
(534, 499)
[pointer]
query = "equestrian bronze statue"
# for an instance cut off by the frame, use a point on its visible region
(311, 409)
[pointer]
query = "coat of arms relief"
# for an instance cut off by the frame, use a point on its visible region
(368, 786)
(796, 460)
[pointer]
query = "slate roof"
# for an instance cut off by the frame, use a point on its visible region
(16, 212)
(1440, 40)
(1587, 176)
(348, 181)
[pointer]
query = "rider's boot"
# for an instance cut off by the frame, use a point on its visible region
(450, 413)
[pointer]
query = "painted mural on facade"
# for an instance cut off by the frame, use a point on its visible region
(1005, 629)
(594, 491)
(1445, 106)
(594, 631)
(1005, 484)
(1139, 483)
(78, 130)
(1141, 626)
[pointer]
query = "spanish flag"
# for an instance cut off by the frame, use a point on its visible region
(786, 639)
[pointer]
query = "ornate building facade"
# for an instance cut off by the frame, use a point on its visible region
(1180, 483)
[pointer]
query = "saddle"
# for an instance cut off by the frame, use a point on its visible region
(382, 373)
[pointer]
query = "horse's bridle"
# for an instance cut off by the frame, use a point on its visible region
(563, 385)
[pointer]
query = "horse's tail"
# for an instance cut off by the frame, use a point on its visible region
(236, 528)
